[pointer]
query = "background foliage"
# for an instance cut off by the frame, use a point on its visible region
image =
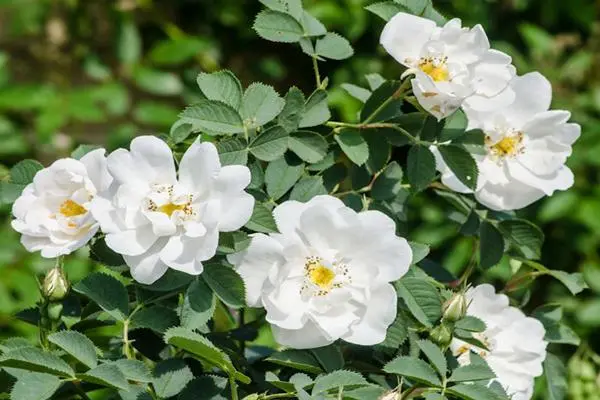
(101, 72)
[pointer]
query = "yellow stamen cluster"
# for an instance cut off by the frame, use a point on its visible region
(508, 146)
(70, 208)
(436, 68)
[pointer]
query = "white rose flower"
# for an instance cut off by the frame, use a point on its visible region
(515, 342)
(450, 64)
(526, 148)
(326, 275)
(158, 219)
(53, 212)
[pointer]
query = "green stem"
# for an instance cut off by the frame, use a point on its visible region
(471, 267)
(233, 386)
(317, 74)
(81, 392)
(127, 351)
(278, 396)
(397, 95)
(377, 125)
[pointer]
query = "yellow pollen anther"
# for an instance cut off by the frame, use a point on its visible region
(69, 208)
(508, 146)
(321, 276)
(170, 208)
(438, 72)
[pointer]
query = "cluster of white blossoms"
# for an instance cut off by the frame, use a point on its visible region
(156, 217)
(526, 145)
(515, 345)
(327, 274)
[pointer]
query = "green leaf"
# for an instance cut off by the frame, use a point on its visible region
(77, 345)
(280, 177)
(309, 146)
(206, 387)
(198, 305)
(232, 151)
(413, 368)
(312, 26)
(330, 357)
(556, 378)
(291, 7)
(227, 284)
(290, 116)
(170, 377)
(278, 27)
(454, 126)
(270, 144)
(297, 359)
(491, 246)
(157, 318)
(524, 235)
(379, 108)
(550, 316)
(9, 192)
(388, 184)
(36, 360)
(213, 117)
(261, 220)
(129, 45)
(178, 50)
(180, 131)
(420, 169)
(419, 250)
(380, 152)
(353, 145)
(472, 372)
(107, 292)
(359, 93)
(434, 396)
(24, 171)
(260, 104)
(82, 150)
(573, 281)
(474, 391)
(316, 110)
(385, 9)
(334, 46)
(338, 379)
(421, 298)
(202, 348)
(307, 188)
(103, 254)
(396, 333)
(434, 355)
(106, 375)
(461, 163)
(34, 386)
(134, 370)
(221, 86)
(471, 324)
(157, 82)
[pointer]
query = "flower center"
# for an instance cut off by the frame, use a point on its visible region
(69, 208)
(509, 146)
(163, 199)
(322, 277)
(436, 68)
(170, 208)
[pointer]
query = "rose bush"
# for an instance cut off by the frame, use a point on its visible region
(259, 214)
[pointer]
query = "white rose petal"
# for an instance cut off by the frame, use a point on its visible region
(516, 342)
(158, 218)
(526, 148)
(53, 212)
(450, 64)
(327, 275)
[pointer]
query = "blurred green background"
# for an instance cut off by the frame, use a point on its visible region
(103, 71)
